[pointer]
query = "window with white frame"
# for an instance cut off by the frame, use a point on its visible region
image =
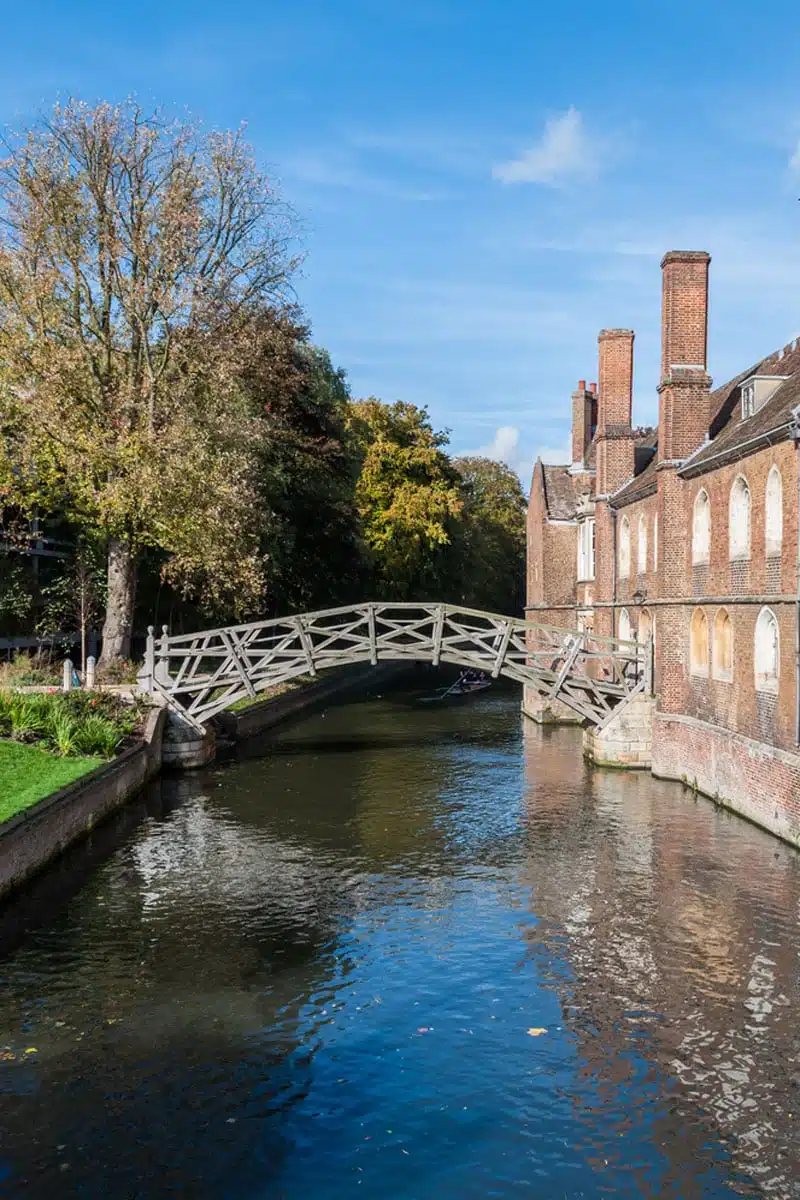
(739, 520)
(641, 546)
(701, 528)
(624, 548)
(586, 544)
(748, 400)
(766, 651)
(773, 513)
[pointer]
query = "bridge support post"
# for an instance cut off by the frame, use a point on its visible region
(184, 746)
(144, 680)
(625, 740)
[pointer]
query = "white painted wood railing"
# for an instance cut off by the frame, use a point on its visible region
(200, 674)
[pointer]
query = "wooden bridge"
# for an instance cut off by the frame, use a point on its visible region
(200, 674)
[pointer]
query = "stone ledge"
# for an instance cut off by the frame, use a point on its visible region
(32, 838)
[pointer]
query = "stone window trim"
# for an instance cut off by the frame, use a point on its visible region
(739, 520)
(586, 550)
(722, 647)
(701, 528)
(773, 513)
(624, 553)
(698, 644)
(624, 626)
(767, 652)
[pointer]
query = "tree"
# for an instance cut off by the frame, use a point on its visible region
(140, 261)
(74, 599)
(492, 535)
(317, 554)
(409, 498)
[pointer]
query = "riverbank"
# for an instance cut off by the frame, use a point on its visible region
(68, 807)
(28, 774)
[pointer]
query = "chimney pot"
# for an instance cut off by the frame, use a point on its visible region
(581, 385)
(593, 388)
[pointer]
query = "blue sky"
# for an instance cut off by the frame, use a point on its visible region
(482, 185)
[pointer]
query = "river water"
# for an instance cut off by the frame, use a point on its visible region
(404, 950)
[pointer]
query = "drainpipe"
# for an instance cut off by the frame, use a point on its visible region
(613, 512)
(794, 434)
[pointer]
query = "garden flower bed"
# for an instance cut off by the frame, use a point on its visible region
(48, 739)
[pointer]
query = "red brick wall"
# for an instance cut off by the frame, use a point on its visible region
(755, 780)
(684, 309)
(735, 705)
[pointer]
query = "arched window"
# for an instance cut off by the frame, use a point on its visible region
(641, 546)
(723, 645)
(698, 643)
(766, 655)
(773, 512)
(645, 627)
(625, 630)
(739, 520)
(701, 528)
(624, 548)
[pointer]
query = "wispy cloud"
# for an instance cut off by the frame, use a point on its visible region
(794, 161)
(564, 153)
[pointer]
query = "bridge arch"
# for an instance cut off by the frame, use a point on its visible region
(200, 674)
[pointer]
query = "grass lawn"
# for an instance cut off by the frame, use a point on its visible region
(28, 774)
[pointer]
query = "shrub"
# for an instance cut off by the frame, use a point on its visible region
(29, 717)
(64, 732)
(85, 723)
(98, 736)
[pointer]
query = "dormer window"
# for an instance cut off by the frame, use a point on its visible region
(757, 390)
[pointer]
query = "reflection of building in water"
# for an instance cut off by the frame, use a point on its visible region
(657, 919)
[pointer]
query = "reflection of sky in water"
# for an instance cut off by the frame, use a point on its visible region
(319, 973)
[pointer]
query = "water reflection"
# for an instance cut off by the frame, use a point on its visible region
(678, 924)
(312, 971)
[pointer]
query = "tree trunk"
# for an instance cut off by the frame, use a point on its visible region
(119, 608)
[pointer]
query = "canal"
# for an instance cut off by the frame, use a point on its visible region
(404, 950)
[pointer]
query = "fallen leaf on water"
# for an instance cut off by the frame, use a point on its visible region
(535, 1031)
(31, 1050)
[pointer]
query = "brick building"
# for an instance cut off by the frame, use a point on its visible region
(687, 533)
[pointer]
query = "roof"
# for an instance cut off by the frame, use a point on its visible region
(731, 435)
(559, 493)
(643, 484)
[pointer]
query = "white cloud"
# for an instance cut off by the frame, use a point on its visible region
(794, 161)
(504, 446)
(564, 152)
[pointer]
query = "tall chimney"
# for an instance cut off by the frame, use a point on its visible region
(614, 433)
(685, 382)
(583, 421)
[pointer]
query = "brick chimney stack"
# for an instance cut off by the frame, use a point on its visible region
(685, 383)
(584, 419)
(614, 433)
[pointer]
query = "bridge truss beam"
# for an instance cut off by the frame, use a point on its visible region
(200, 674)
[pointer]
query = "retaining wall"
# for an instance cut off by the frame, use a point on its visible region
(265, 714)
(757, 781)
(34, 837)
